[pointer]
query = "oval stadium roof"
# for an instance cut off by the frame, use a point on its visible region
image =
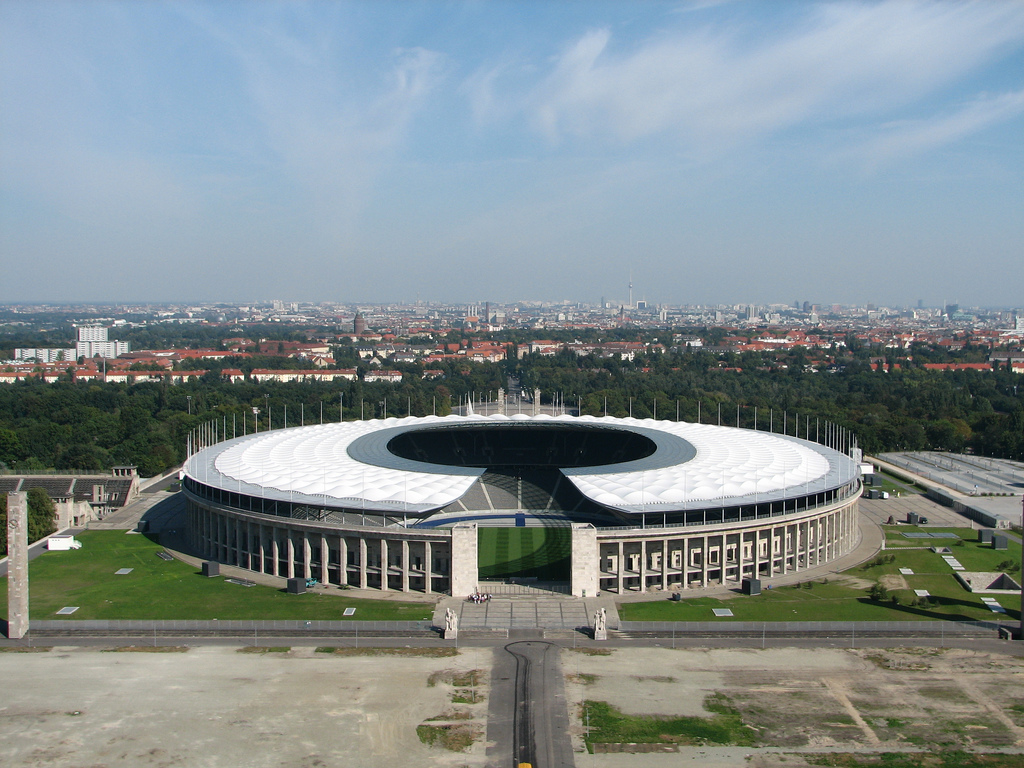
(348, 465)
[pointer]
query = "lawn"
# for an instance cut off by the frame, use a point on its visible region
(534, 551)
(839, 600)
(606, 724)
(170, 589)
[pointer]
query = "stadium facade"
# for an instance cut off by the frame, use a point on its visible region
(402, 504)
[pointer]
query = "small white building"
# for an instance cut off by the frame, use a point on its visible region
(62, 542)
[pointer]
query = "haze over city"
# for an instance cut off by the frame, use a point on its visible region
(358, 151)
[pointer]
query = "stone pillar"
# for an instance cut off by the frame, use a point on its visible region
(384, 564)
(307, 556)
(620, 563)
(362, 563)
(643, 565)
(428, 567)
(17, 565)
(584, 562)
(261, 549)
(536, 401)
(342, 561)
(464, 568)
(405, 565)
(325, 561)
(275, 552)
(705, 556)
(290, 552)
(664, 565)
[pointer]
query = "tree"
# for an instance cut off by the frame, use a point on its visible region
(41, 514)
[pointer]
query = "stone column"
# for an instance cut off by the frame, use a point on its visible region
(428, 566)
(384, 564)
(362, 563)
(643, 565)
(307, 556)
(405, 565)
(261, 550)
(325, 561)
(275, 552)
(620, 565)
(342, 561)
(290, 552)
(664, 565)
(584, 563)
(17, 565)
(705, 556)
(464, 555)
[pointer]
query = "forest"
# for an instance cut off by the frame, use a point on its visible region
(89, 425)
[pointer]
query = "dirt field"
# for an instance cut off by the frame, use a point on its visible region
(813, 701)
(218, 708)
(215, 707)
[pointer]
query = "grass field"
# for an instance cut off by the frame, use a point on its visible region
(538, 552)
(169, 589)
(845, 598)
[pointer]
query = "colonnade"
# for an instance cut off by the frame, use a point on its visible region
(701, 556)
(445, 560)
(394, 559)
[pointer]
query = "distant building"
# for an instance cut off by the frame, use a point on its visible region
(93, 342)
(359, 324)
(41, 355)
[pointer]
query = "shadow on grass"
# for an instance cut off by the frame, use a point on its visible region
(948, 602)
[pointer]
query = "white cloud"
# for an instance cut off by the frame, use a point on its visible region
(912, 137)
(715, 87)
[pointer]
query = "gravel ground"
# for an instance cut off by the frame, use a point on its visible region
(216, 707)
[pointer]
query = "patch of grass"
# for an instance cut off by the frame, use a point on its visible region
(457, 738)
(609, 725)
(654, 679)
(265, 649)
(163, 590)
(460, 678)
(425, 652)
(837, 601)
(593, 651)
(583, 678)
(27, 649)
(147, 649)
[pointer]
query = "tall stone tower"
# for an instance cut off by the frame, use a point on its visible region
(359, 324)
(17, 565)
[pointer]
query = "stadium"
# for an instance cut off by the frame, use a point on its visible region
(573, 504)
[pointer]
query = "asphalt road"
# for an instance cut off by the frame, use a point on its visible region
(528, 720)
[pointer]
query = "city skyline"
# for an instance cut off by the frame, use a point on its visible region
(708, 152)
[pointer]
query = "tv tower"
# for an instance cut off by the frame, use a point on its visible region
(630, 304)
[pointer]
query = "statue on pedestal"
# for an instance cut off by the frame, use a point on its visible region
(451, 624)
(601, 624)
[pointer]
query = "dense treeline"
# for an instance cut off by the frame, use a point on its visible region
(89, 425)
(41, 511)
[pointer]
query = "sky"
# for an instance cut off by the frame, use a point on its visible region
(714, 152)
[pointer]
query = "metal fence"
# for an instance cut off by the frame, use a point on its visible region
(797, 628)
(64, 625)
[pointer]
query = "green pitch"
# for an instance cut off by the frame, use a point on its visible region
(543, 553)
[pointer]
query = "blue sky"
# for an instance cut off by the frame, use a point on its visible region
(469, 151)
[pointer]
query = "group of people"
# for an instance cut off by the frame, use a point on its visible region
(480, 597)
